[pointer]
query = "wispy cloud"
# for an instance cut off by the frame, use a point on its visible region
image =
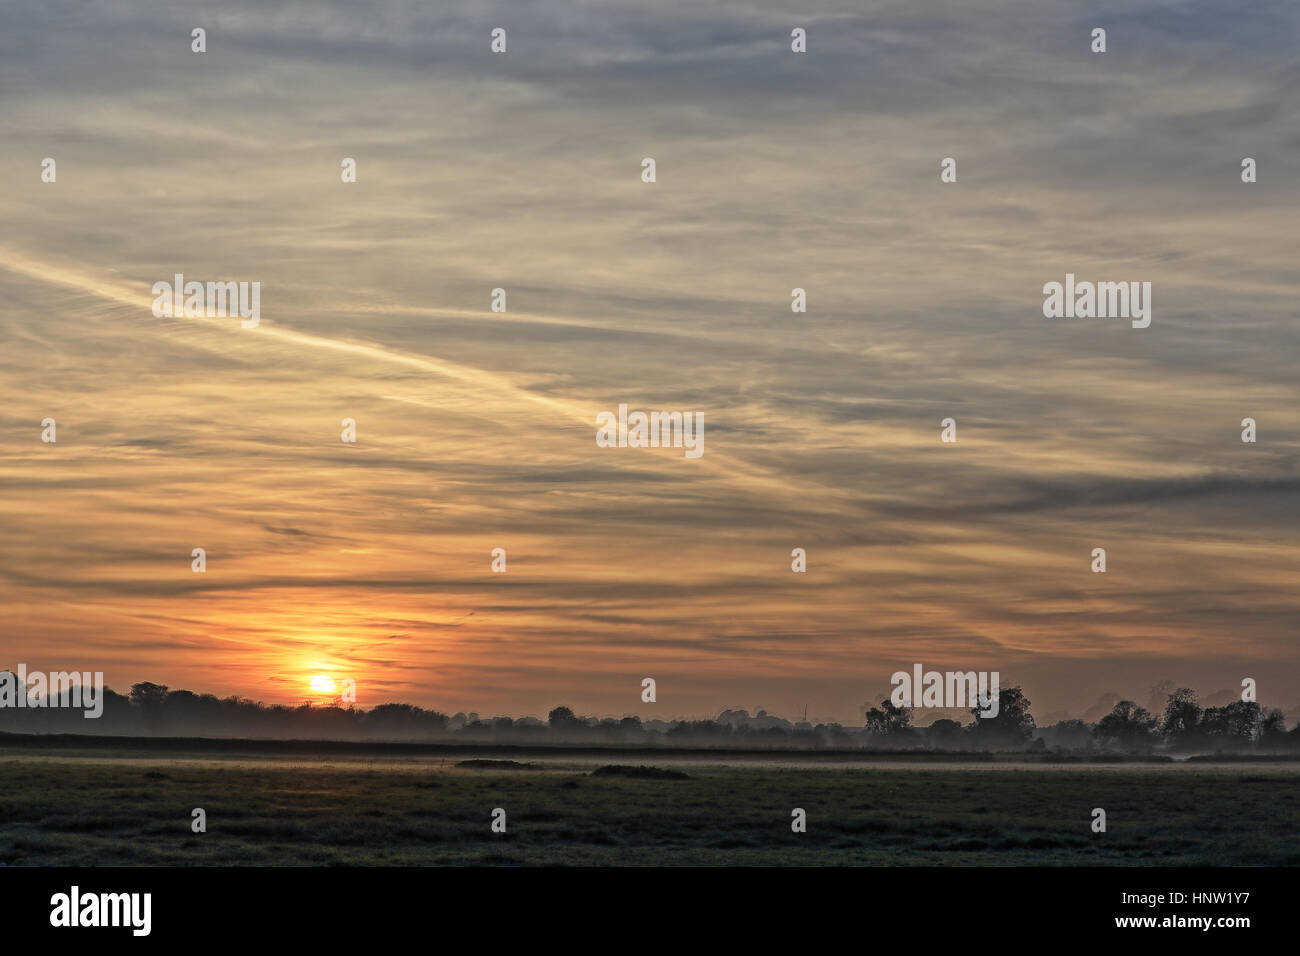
(477, 428)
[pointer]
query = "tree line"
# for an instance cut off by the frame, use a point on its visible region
(1183, 727)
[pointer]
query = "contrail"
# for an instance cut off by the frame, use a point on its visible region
(720, 464)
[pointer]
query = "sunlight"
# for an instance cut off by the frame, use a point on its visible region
(322, 684)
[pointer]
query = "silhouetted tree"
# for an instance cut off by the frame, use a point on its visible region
(1231, 726)
(561, 718)
(1128, 726)
(630, 725)
(1181, 721)
(1012, 726)
(150, 698)
(944, 733)
(1271, 731)
(887, 719)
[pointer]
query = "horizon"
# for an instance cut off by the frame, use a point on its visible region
(1154, 703)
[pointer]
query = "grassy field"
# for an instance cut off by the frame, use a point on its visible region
(97, 810)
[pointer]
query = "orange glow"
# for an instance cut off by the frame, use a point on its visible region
(322, 684)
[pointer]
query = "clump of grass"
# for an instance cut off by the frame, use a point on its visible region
(642, 772)
(480, 764)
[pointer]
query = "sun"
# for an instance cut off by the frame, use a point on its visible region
(322, 684)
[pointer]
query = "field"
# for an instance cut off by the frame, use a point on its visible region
(105, 809)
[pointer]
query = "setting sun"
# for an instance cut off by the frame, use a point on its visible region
(322, 684)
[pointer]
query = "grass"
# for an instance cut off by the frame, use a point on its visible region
(640, 772)
(94, 811)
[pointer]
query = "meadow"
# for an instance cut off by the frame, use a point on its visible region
(100, 809)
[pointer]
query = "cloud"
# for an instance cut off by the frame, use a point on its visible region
(476, 428)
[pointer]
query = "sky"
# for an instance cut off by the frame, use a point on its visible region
(476, 430)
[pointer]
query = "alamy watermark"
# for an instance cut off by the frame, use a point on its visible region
(195, 299)
(651, 430)
(77, 909)
(953, 689)
(71, 689)
(1101, 300)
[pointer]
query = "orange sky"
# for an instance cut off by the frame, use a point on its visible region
(476, 430)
